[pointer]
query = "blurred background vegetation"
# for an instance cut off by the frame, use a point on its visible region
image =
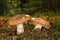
(31, 7)
(47, 9)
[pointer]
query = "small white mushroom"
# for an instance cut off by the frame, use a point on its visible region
(39, 23)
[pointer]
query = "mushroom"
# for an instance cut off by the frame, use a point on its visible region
(39, 23)
(18, 20)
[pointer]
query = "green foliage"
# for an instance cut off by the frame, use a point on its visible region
(3, 7)
(30, 7)
(3, 30)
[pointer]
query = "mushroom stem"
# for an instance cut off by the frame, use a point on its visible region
(38, 26)
(20, 28)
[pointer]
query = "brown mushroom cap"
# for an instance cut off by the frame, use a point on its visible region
(15, 20)
(41, 21)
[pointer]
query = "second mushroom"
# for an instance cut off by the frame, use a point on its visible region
(39, 23)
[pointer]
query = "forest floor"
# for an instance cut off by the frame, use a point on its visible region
(52, 34)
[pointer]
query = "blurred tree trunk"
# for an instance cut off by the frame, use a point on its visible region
(22, 4)
(47, 4)
(54, 5)
(58, 4)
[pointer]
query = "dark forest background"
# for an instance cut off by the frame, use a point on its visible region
(12, 7)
